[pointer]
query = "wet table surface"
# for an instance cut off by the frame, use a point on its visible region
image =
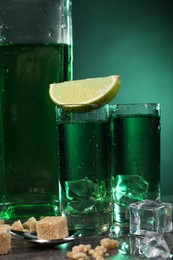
(25, 250)
(22, 249)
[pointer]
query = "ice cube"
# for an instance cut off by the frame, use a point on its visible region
(153, 246)
(152, 216)
(82, 188)
(85, 196)
(128, 189)
(85, 189)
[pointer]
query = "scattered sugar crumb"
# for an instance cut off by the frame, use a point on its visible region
(85, 252)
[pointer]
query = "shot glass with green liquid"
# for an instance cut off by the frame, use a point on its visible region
(135, 156)
(35, 50)
(83, 151)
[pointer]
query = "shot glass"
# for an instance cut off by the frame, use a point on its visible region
(83, 152)
(135, 163)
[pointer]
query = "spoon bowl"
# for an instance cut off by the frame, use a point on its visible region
(32, 237)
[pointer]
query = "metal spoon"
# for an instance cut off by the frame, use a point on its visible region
(32, 237)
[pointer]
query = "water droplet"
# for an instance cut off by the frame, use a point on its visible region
(63, 26)
(51, 33)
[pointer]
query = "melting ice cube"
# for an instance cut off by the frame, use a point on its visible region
(153, 246)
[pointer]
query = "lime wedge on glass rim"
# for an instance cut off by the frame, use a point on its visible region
(84, 93)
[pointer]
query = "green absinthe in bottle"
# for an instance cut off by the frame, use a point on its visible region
(28, 163)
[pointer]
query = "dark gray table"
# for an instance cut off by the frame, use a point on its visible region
(27, 251)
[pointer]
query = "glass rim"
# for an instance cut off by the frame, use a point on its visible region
(137, 104)
(132, 109)
(97, 104)
(91, 113)
(80, 105)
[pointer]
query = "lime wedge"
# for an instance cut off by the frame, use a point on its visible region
(85, 92)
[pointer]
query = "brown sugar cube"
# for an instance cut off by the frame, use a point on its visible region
(30, 224)
(5, 239)
(52, 228)
(2, 222)
(17, 225)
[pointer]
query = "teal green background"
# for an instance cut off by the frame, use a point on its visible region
(132, 38)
